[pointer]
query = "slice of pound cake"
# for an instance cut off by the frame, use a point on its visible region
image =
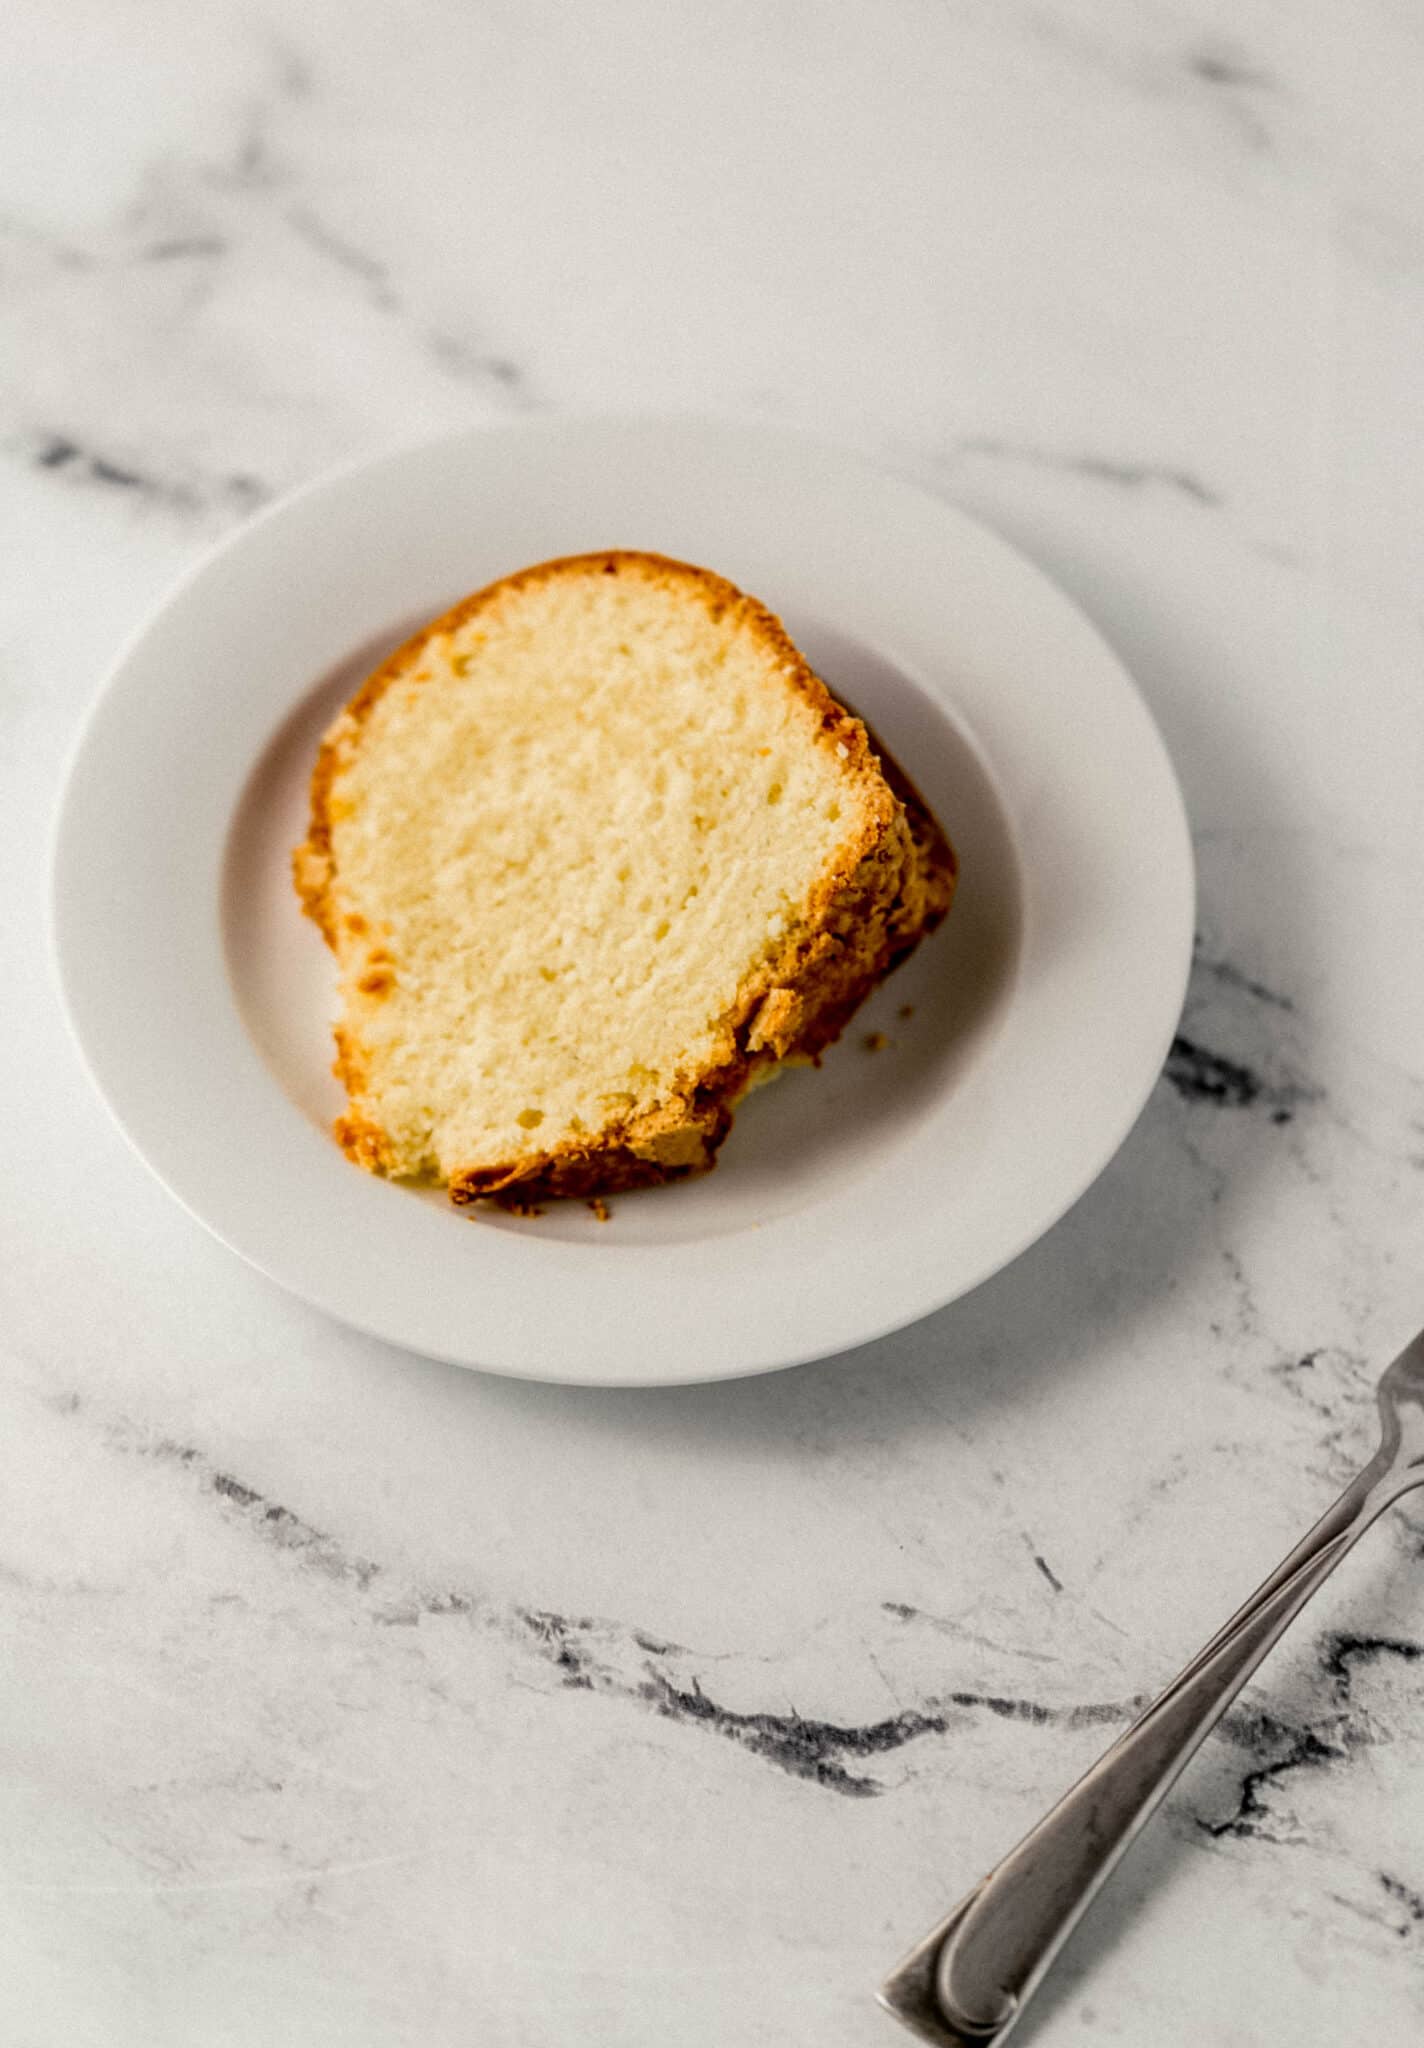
(595, 852)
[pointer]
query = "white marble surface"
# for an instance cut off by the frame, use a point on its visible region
(354, 1700)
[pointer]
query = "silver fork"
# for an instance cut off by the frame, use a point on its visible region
(968, 1981)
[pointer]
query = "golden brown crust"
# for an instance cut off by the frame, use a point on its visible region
(891, 885)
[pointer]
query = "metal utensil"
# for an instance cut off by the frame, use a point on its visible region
(966, 1983)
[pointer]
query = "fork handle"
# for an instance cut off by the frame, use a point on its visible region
(968, 1981)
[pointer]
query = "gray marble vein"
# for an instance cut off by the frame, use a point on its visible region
(1101, 468)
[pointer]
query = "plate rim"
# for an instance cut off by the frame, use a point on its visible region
(895, 1313)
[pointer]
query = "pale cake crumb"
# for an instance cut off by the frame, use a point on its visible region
(596, 851)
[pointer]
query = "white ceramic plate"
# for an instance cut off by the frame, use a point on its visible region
(847, 1202)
